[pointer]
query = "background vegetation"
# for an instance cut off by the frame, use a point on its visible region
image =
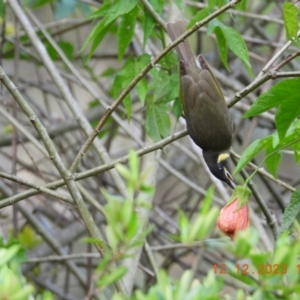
(103, 194)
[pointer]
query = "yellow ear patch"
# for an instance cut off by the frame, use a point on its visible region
(222, 157)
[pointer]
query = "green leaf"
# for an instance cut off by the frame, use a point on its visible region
(142, 90)
(128, 106)
(290, 18)
(199, 16)
(64, 8)
(296, 148)
(286, 90)
(222, 46)
(97, 34)
(126, 31)
(286, 113)
(112, 277)
(177, 108)
(2, 9)
(65, 46)
(157, 121)
(27, 237)
(110, 13)
(183, 223)
(8, 254)
(251, 151)
(134, 165)
(119, 8)
(291, 211)
(272, 162)
(149, 22)
(237, 45)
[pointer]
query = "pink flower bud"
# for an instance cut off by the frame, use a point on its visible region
(232, 219)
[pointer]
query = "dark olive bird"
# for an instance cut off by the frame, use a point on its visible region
(208, 120)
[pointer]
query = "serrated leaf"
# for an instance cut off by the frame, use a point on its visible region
(126, 31)
(251, 151)
(97, 34)
(120, 8)
(149, 22)
(64, 8)
(222, 47)
(237, 45)
(199, 16)
(291, 211)
(110, 13)
(290, 18)
(157, 121)
(285, 90)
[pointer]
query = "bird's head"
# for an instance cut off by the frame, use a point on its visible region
(218, 166)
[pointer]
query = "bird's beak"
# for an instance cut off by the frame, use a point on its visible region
(231, 181)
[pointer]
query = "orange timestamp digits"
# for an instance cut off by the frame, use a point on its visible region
(262, 269)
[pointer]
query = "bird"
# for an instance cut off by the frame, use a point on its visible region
(209, 122)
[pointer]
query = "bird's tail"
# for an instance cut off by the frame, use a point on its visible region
(183, 49)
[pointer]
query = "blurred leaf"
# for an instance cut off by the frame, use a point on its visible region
(65, 46)
(113, 276)
(128, 106)
(184, 284)
(28, 238)
(2, 9)
(199, 16)
(179, 4)
(250, 152)
(296, 148)
(157, 121)
(183, 223)
(64, 8)
(126, 31)
(134, 165)
(84, 8)
(8, 254)
(35, 3)
(177, 108)
(284, 91)
(8, 128)
(291, 22)
(291, 211)
(242, 5)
